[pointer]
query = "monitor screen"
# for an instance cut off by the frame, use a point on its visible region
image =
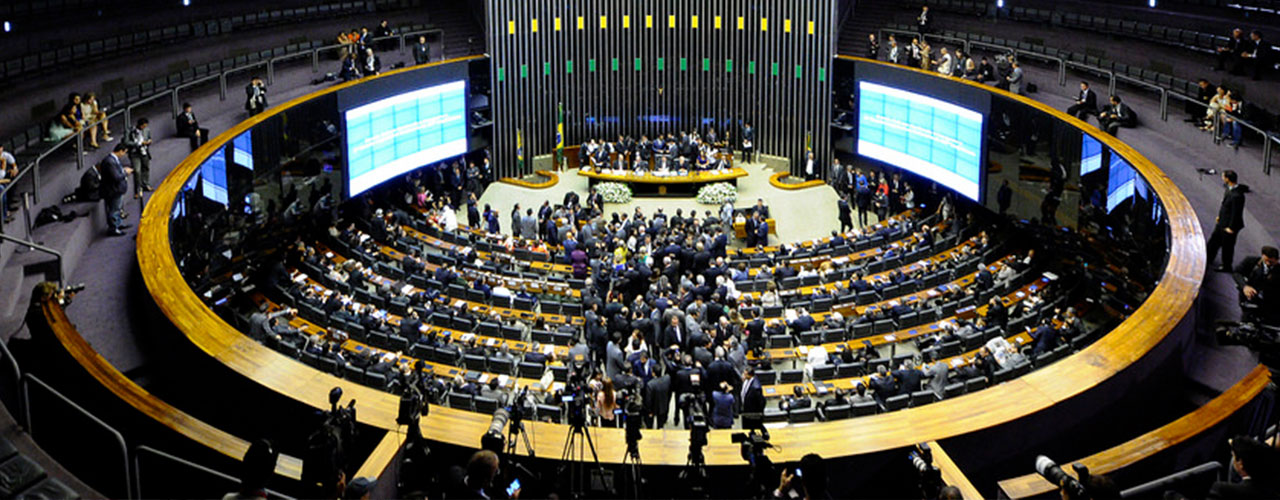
(1090, 155)
(391, 136)
(935, 139)
(1120, 184)
(213, 177)
(242, 150)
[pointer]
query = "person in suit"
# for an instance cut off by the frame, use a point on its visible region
(1204, 95)
(657, 400)
(139, 144)
(1086, 103)
(924, 22)
(846, 213)
(882, 384)
(188, 126)
(722, 405)
(748, 142)
(1255, 58)
(895, 52)
(515, 220)
(255, 96)
(1229, 53)
(752, 400)
(371, 65)
(421, 51)
(529, 225)
(1004, 197)
(675, 335)
(1046, 338)
(938, 373)
(1254, 462)
(1015, 78)
(1258, 279)
(615, 361)
(1229, 222)
(762, 231)
(115, 183)
(873, 47)
(1115, 116)
(908, 377)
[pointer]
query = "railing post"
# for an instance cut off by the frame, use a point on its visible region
(1267, 149)
(402, 44)
(35, 181)
(80, 152)
(315, 60)
(1111, 85)
(222, 85)
(174, 107)
(1062, 72)
(271, 72)
(1164, 104)
(128, 116)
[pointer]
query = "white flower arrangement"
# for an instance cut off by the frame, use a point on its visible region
(718, 194)
(614, 192)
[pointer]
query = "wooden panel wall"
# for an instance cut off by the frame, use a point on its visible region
(660, 66)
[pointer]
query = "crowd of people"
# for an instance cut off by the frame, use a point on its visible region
(690, 151)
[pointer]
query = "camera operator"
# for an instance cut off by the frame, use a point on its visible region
(807, 480)
(476, 481)
(1259, 281)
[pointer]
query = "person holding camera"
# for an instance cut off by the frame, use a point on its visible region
(1259, 283)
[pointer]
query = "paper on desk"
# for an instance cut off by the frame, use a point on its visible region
(890, 338)
(466, 337)
(405, 290)
(484, 378)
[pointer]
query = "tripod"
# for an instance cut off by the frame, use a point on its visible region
(631, 460)
(695, 472)
(578, 440)
(515, 431)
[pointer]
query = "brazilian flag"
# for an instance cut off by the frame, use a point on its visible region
(519, 152)
(559, 135)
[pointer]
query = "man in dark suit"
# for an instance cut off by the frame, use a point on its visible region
(846, 213)
(762, 231)
(1255, 57)
(1045, 337)
(924, 22)
(615, 360)
(748, 142)
(752, 398)
(1250, 457)
(1229, 222)
(908, 377)
(1115, 116)
(1227, 54)
(657, 400)
(189, 127)
(674, 335)
(1086, 103)
(1258, 279)
(115, 183)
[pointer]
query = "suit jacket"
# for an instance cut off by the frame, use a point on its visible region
(657, 396)
(187, 124)
(114, 180)
(1090, 99)
(721, 409)
(908, 380)
(938, 376)
(1245, 489)
(615, 360)
(752, 397)
(1231, 212)
(675, 336)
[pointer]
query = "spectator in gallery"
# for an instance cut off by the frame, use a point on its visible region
(8, 171)
(873, 46)
(67, 122)
(384, 31)
(1117, 115)
(421, 51)
(1218, 101)
(188, 126)
(1204, 94)
(986, 72)
(350, 68)
(94, 115)
(895, 54)
(1230, 125)
(1229, 53)
(1086, 102)
(1257, 56)
(1015, 78)
(1228, 223)
(115, 183)
(255, 96)
(139, 144)
(372, 63)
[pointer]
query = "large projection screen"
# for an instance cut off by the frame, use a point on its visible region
(394, 135)
(932, 138)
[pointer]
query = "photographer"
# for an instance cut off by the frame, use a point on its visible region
(807, 480)
(1259, 284)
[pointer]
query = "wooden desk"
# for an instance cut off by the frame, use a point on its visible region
(740, 228)
(648, 183)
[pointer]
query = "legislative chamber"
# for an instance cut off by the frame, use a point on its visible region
(665, 249)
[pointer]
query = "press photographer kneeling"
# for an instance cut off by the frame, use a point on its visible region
(1258, 279)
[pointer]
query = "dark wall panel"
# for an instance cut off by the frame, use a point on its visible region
(661, 66)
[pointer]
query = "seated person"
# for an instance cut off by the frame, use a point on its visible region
(797, 400)
(1117, 115)
(188, 126)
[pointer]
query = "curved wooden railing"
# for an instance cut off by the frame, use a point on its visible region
(150, 405)
(1145, 329)
(1167, 436)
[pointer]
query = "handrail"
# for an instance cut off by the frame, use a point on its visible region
(44, 249)
(404, 42)
(1062, 63)
(1162, 483)
(128, 110)
(29, 378)
(140, 450)
(177, 106)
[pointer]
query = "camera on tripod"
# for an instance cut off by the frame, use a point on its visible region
(632, 417)
(753, 444)
(1073, 486)
(509, 416)
(1257, 336)
(930, 477)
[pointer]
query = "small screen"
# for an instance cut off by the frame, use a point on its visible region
(242, 150)
(932, 138)
(392, 136)
(213, 177)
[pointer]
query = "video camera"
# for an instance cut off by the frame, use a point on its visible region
(1258, 337)
(753, 444)
(930, 477)
(511, 414)
(632, 404)
(1074, 486)
(574, 398)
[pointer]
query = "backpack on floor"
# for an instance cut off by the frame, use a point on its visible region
(53, 214)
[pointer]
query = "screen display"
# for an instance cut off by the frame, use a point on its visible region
(242, 150)
(1120, 184)
(213, 177)
(1090, 155)
(397, 134)
(935, 139)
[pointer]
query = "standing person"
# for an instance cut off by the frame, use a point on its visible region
(752, 401)
(189, 127)
(139, 147)
(924, 23)
(8, 170)
(422, 51)
(873, 47)
(1004, 196)
(810, 167)
(515, 220)
(383, 31)
(255, 96)
(115, 183)
(1229, 222)
(846, 213)
(748, 142)
(1015, 79)
(862, 191)
(372, 63)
